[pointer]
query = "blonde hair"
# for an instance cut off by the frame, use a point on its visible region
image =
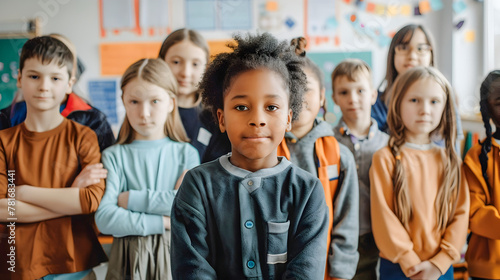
(351, 68)
(447, 194)
(156, 72)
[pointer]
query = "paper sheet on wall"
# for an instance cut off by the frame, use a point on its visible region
(235, 14)
(219, 46)
(116, 57)
(153, 13)
(470, 36)
(103, 96)
(283, 18)
(201, 14)
(459, 6)
(321, 17)
(219, 14)
(118, 14)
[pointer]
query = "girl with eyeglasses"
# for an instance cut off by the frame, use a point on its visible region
(411, 46)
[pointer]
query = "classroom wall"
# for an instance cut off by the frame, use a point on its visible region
(458, 58)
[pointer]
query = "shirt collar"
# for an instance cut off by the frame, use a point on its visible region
(344, 129)
(242, 173)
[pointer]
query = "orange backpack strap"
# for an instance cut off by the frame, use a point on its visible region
(328, 156)
(283, 149)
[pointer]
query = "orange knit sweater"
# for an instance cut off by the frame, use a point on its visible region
(483, 254)
(424, 171)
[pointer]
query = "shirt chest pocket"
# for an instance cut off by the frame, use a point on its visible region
(277, 242)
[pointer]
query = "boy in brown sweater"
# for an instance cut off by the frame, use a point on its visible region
(46, 207)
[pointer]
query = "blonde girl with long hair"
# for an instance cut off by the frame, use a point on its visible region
(145, 169)
(419, 197)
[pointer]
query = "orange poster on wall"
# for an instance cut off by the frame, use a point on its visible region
(116, 57)
(217, 47)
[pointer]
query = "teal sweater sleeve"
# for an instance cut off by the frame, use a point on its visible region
(160, 202)
(112, 219)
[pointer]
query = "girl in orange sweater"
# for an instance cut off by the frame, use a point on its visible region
(481, 166)
(419, 200)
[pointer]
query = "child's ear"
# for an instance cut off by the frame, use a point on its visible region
(220, 118)
(171, 105)
(18, 84)
(289, 120)
(322, 97)
(71, 82)
(374, 96)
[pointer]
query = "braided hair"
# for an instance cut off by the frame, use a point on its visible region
(447, 193)
(486, 89)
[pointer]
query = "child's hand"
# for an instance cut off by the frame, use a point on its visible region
(123, 200)
(166, 222)
(425, 270)
(91, 174)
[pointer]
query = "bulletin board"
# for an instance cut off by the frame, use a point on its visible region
(10, 50)
(335, 29)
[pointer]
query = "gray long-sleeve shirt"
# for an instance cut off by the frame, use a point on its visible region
(230, 223)
(343, 253)
(363, 150)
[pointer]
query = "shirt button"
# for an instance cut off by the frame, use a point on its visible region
(251, 264)
(249, 224)
(250, 183)
(356, 146)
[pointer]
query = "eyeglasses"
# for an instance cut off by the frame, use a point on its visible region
(422, 49)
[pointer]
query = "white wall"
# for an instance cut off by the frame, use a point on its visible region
(468, 58)
(461, 62)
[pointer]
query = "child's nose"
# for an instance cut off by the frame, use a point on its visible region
(413, 53)
(257, 118)
(186, 70)
(145, 111)
(353, 96)
(426, 108)
(44, 84)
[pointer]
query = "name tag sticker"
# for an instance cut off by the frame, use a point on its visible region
(204, 136)
(333, 172)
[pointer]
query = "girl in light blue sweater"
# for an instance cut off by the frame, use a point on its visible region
(145, 169)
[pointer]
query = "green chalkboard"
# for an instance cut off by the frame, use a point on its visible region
(10, 50)
(327, 62)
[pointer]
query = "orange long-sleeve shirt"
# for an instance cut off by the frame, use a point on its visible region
(483, 254)
(424, 173)
(51, 159)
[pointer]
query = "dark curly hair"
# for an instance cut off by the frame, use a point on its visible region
(251, 53)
